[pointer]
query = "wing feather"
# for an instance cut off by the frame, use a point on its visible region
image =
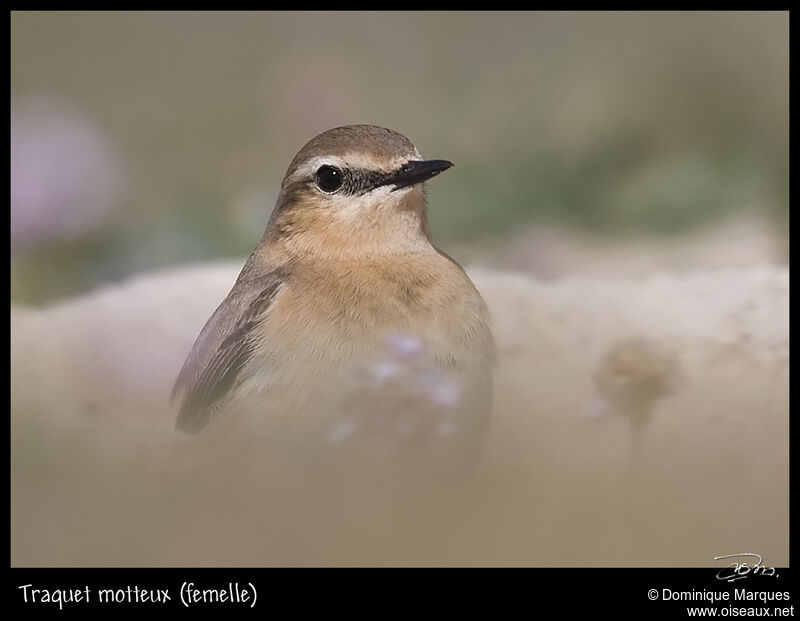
(223, 348)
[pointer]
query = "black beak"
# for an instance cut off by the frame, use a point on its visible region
(415, 172)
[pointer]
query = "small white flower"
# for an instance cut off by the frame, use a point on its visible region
(446, 393)
(342, 431)
(383, 370)
(404, 346)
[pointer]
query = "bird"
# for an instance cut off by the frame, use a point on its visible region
(347, 326)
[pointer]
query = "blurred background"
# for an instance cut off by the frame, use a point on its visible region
(584, 143)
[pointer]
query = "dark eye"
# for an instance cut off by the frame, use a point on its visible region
(329, 179)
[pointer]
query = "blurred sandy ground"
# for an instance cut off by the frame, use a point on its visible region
(100, 476)
(552, 252)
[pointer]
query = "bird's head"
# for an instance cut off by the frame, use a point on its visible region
(354, 190)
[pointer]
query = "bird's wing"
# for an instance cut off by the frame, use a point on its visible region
(222, 349)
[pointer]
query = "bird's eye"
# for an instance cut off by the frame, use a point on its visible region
(329, 179)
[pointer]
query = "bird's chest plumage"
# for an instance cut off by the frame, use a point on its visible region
(375, 362)
(337, 314)
(331, 333)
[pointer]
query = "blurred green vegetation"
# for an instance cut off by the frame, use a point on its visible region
(618, 123)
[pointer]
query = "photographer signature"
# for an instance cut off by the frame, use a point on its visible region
(739, 570)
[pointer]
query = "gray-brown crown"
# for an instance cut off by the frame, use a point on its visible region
(379, 143)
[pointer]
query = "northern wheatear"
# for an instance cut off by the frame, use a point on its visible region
(346, 321)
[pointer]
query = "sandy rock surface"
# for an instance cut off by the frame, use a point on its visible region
(101, 477)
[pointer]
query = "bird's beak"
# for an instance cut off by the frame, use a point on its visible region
(414, 172)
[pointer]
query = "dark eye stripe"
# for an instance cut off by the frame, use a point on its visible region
(360, 181)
